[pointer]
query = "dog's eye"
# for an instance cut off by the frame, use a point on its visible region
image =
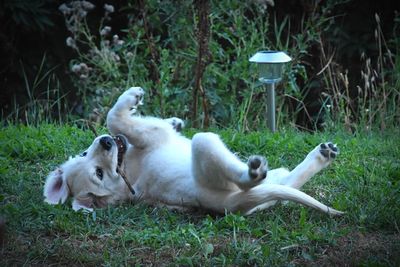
(99, 173)
(84, 154)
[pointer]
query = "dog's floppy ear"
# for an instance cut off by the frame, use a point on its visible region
(85, 203)
(55, 188)
(89, 201)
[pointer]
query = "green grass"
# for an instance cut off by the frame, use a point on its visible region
(364, 182)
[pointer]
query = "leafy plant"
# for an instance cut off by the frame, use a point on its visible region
(237, 30)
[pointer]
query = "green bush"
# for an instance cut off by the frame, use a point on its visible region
(159, 52)
(157, 48)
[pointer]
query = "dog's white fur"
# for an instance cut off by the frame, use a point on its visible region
(166, 168)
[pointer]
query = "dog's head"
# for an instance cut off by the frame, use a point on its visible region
(92, 178)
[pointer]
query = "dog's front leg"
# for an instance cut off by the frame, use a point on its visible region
(119, 118)
(140, 131)
(319, 158)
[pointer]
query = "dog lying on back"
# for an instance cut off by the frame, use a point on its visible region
(164, 167)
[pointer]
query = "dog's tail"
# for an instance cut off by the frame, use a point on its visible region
(265, 195)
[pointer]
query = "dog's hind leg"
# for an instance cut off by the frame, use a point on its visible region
(316, 160)
(256, 198)
(214, 166)
(319, 158)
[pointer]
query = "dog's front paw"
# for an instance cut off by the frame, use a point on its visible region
(324, 153)
(328, 150)
(176, 123)
(131, 99)
(258, 168)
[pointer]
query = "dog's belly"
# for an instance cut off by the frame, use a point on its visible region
(167, 175)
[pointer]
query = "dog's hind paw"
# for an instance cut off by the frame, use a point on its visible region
(258, 168)
(328, 150)
(176, 123)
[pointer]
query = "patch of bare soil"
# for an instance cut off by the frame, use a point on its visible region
(357, 249)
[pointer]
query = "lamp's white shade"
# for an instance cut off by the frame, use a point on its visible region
(270, 57)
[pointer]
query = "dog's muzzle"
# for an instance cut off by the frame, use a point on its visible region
(106, 142)
(120, 141)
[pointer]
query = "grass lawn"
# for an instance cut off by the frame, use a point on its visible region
(364, 182)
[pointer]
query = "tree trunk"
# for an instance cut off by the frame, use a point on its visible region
(155, 57)
(203, 59)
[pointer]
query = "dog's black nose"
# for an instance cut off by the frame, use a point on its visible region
(178, 127)
(106, 142)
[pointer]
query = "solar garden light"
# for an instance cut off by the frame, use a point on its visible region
(270, 68)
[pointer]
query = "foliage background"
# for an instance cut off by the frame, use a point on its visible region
(345, 67)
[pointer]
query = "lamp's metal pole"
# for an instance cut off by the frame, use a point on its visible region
(271, 106)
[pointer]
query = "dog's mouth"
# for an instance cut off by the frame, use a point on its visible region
(122, 145)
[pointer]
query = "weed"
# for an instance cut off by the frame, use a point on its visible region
(375, 102)
(45, 106)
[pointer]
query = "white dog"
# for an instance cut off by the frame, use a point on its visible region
(163, 167)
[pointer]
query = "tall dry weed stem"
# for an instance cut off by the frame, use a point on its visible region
(375, 102)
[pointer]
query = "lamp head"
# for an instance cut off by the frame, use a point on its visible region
(270, 65)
